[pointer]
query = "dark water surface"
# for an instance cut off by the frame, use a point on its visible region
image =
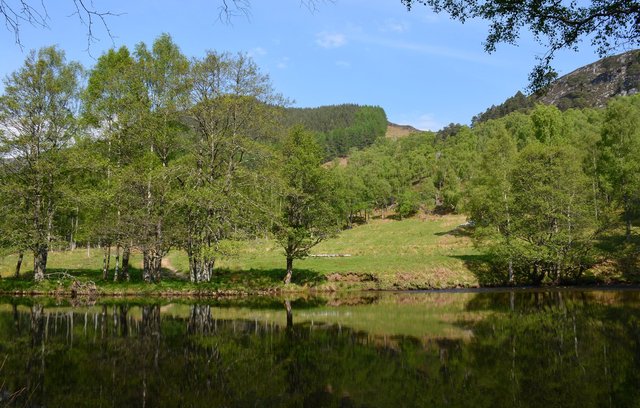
(564, 348)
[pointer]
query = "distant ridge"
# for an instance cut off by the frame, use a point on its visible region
(590, 86)
(395, 131)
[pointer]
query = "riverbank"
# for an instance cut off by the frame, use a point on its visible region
(421, 253)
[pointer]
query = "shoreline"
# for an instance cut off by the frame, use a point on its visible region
(308, 291)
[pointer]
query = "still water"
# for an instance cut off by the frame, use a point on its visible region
(563, 348)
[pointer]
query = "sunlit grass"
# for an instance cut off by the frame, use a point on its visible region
(412, 253)
(427, 252)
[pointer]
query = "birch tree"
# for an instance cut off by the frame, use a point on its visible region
(37, 114)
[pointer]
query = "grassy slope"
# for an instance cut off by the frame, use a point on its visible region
(385, 254)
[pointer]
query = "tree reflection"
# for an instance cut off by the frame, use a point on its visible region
(526, 350)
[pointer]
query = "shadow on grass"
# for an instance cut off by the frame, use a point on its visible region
(482, 268)
(265, 277)
(456, 232)
(223, 278)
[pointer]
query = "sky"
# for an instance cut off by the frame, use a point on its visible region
(424, 69)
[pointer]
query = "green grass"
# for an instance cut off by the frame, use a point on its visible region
(385, 254)
(416, 253)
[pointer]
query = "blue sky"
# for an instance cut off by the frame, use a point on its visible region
(423, 69)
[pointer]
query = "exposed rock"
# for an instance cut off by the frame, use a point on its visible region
(594, 84)
(590, 86)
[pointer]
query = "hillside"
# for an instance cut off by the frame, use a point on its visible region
(339, 128)
(594, 84)
(590, 86)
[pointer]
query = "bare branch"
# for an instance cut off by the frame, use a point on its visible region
(17, 13)
(229, 9)
(88, 16)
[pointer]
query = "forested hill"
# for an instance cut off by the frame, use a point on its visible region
(339, 128)
(590, 86)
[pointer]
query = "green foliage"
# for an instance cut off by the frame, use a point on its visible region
(308, 216)
(517, 103)
(551, 213)
(620, 156)
(37, 114)
(408, 203)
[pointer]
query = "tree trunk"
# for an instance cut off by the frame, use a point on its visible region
(200, 267)
(510, 270)
(74, 231)
(40, 262)
(106, 261)
(152, 261)
(627, 216)
(116, 272)
(146, 268)
(157, 267)
(126, 251)
(287, 278)
(19, 263)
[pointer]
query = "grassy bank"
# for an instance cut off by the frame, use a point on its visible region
(416, 253)
(427, 252)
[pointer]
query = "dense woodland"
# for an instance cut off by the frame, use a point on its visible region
(149, 151)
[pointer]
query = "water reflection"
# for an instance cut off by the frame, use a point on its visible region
(526, 348)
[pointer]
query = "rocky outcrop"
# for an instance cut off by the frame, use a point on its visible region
(594, 84)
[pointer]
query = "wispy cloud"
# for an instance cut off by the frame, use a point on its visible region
(395, 26)
(357, 34)
(257, 52)
(420, 121)
(330, 40)
(427, 121)
(446, 52)
(283, 63)
(343, 64)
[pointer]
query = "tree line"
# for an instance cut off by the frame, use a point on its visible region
(154, 151)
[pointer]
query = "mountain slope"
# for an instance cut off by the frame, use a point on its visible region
(594, 84)
(590, 86)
